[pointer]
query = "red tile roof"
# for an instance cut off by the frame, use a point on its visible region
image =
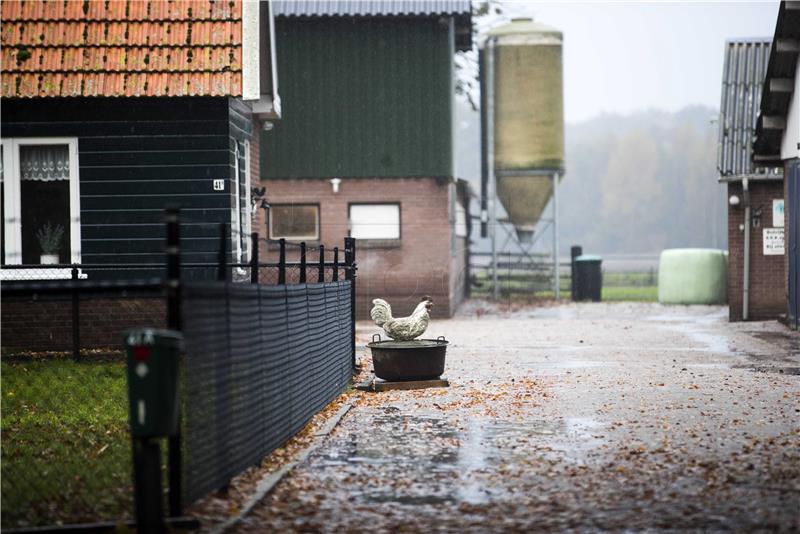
(120, 48)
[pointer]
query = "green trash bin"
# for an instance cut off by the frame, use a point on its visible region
(589, 277)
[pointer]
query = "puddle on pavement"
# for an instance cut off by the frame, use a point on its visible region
(568, 364)
(710, 342)
(709, 365)
(787, 342)
(705, 319)
(447, 457)
(792, 371)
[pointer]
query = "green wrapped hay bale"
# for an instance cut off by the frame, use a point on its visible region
(693, 276)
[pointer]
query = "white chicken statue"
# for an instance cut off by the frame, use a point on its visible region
(403, 328)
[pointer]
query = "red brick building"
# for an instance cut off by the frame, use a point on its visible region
(757, 281)
(366, 147)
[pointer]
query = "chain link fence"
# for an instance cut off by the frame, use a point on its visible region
(265, 352)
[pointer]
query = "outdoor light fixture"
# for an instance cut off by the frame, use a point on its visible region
(734, 200)
(267, 126)
(335, 184)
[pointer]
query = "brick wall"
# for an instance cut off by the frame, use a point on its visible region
(46, 324)
(768, 278)
(421, 264)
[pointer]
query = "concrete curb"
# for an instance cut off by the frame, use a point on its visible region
(270, 480)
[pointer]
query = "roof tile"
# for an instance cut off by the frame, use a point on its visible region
(120, 48)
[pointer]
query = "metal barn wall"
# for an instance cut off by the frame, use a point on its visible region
(364, 97)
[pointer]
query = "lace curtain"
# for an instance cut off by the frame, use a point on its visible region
(44, 163)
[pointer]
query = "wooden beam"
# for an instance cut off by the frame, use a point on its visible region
(773, 122)
(787, 46)
(781, 85)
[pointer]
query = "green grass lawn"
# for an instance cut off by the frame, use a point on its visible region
(66, 450)
(630, 293)
(640, 287)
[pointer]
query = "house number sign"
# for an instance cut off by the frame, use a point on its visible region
(219, 185)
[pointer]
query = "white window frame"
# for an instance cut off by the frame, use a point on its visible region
(351, 225)
(461, 221)
(248, 205)
(13, 202)
(239, 224)
(314, 237)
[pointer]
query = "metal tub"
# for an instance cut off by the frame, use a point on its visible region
(418, 359)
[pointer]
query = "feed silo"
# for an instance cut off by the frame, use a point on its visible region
(527, 109)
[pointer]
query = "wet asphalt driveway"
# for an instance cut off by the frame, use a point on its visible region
(575, 417)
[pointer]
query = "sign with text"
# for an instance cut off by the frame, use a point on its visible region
(773, 242)
(777, 213)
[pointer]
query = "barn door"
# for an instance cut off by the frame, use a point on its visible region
(793, 176)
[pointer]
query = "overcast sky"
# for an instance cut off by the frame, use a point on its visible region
(625, 57)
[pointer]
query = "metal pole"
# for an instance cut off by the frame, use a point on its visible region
(282, 262)
(76, 318)
(574, 252)
(321, 277)
(490, 161)
(350, 274)
(175, 458)
(254, 258)
(335, 274)
(746, 274)
(556, 274)
(147, 485)
(302, 262)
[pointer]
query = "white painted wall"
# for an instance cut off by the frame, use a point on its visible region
(790, 143)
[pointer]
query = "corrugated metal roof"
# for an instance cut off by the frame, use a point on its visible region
(121, 48)
(366, 8)
(742, 81)
(461, 10)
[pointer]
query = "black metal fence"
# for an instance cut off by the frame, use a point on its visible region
(261, 359)
(260, 362)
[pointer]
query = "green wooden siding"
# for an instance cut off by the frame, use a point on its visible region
(361, 98)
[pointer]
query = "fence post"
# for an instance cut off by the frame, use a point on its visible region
(350, 260)
(175, 459)
(254, 258)
(302, 262)
(76, 316)
(335, 274)
(282, 262)
(222, 255)
(574, 252)
(321, 277)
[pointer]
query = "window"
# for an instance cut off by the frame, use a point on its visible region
(375, 221)
(41, 200)
(296, 222)
(461, 220)
(240, 213)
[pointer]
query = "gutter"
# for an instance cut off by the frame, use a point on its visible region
(746, 276)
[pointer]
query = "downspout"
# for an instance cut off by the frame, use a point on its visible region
(746, 277)
(490, 49)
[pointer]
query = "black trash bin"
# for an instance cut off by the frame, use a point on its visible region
(589, 274)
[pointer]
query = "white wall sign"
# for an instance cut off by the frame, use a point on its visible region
(773, 242)
(219, 185)
(777, 213)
